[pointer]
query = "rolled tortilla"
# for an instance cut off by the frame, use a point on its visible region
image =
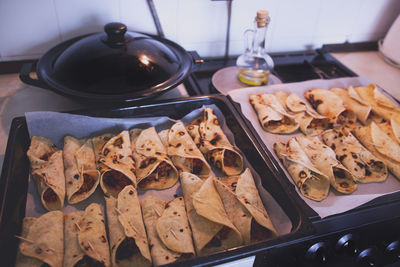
(324, 159)
(183, 151)
(353, 102)
(154, 169)
(244, 207)
(215, 145)
(81, 175)
(365, 167)
(381, 145)
(128, 239)
(329, 104)
(43, 241)
(118, 170)
(85, 238)
(311, 123)
(48, 172)
(211, 227)
(167, 229)
(310, 181)
(380, 104)
(272, 115)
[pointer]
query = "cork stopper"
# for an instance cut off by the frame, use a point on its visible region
(262, 18)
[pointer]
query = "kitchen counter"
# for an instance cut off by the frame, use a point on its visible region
(371, 64)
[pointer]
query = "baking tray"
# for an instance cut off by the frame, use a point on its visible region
(357, 212)
(14, 177)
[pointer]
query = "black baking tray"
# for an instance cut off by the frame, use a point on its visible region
(15, 173)
(365, 214)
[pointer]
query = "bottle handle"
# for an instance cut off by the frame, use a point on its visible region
(248, 37)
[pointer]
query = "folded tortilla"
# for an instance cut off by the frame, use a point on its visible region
(48, 172)
(85, 238)
(365, 167)
(311, 123)
(183, 151)
(154, 169)
(272, 115)
(98, 144)
(211, 227)
(118, 169)
(167, 229)
(391, 128)
(215, 145)
(380, 104)
(310, 181)
(81, 175)
(43, 241)
(329, 104)
(128, 239)
(324, 159)
(40, 151)
(353, 102)
(381, 145)
(244, 207)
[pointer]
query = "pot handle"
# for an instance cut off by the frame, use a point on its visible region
(196, 59)
(24, 75)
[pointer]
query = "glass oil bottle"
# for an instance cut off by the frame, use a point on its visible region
(255, 64)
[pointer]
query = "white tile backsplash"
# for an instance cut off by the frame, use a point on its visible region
(201, 21)
(77, 17)
(136, 16)
(29, 28)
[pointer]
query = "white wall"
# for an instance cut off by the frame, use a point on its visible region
(28, 28)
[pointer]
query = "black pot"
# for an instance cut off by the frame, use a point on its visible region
(113, 66)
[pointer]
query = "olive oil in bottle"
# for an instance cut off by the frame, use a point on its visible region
(255, 64)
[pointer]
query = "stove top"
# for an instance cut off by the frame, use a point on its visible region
(289, 67)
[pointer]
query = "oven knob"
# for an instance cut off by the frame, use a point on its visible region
(347, 244)
(367, 258)
(392, 251)
(317, 253)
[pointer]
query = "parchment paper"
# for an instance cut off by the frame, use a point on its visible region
(55, 126)
(336, 202)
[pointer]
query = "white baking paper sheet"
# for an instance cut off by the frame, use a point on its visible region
(55, 126)
(336, 202)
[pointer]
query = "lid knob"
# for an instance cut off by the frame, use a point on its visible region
(115, 33)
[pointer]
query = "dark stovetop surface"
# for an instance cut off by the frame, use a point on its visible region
(289, 67)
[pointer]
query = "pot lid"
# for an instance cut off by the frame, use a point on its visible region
(117, 62)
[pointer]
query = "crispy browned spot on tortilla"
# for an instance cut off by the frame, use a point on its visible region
(118, 142)
(88, 183)
(216, 138)
(50, 196)
(314, 102)
(116, 180)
